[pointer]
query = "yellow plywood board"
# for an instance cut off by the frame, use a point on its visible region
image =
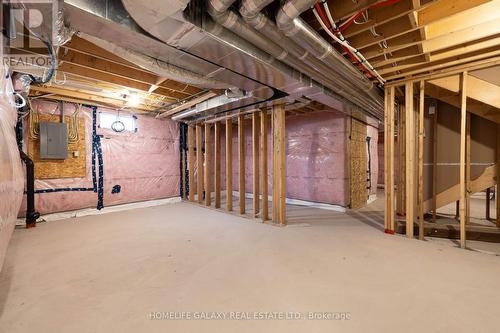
(358, 164)
(72, 167)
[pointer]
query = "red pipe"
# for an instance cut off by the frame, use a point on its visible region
(346, 24)
(325, 20)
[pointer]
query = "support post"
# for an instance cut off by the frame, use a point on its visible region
(392, 94)
(255, 160)
(488, 195)
(217, 157)
(191, 147)
(208, 164)
(467, 170)
(463, 141)
(387, 215)
(229, 164)
(263, 159)
(410, 159)
(421, 120)
(241, 164)
(279, 167)
(497, 191)
(434, 164)
(199, 163)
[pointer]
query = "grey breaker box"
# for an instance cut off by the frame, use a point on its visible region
(53, 140)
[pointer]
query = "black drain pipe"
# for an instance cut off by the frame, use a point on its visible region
(31, 214)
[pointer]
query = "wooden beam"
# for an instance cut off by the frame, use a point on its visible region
(191, 148)
(229, 164)
(279, 165)
(199, 162)
(467, 169)
(434, 164)
(241, 161)
(392, 94)
(217, 157)
(445, 8)
(387, 214)
(488, 195)
(263, 160)
(497, 192)
(421, 135)
(208, 163)
(389, 159)
(444, 70)
(401, 203)
(463, 189)
(255, 160)
(486, 179)
(483, 98)
(381, 16)
(186, 105)
(410, 159)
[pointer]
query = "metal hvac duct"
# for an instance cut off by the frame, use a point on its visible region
(217, 44)
(347, 93)
(181, 33)
(250, 11)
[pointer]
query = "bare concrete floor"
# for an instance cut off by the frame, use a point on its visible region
(107, 273)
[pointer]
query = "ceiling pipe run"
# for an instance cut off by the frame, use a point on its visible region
(227, 41)
(250, 11)
(219, 10)
(289, 22)
(156, 66)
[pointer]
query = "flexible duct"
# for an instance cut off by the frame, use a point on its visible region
(220, 13)
(250, 11)
(159, 67)
(288, 21)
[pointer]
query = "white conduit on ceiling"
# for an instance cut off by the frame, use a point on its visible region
(342, 41)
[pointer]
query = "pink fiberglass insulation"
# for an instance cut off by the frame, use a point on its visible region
(372, 133)
(11, 172)
(145, 164)
(316, 157)
(316, 169)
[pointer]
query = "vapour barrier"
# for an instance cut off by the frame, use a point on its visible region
(316, 157)
(145, 164)
(11, 173)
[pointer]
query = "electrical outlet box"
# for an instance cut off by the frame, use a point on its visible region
(53, 140)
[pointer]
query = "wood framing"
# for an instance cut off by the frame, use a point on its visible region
(241, 162)
(255, 160)
(229, 165)
(463, 140)
(390, 167)
(410, 159)
(389, 160)
(263, 160)
(191, 148)
(217, 160)
(434, 164)
(421, 134)
(497, 196)
(467, 168)
(279, 165)
(208, 164)
(199, 162)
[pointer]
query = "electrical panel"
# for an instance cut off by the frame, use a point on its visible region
(53, 140)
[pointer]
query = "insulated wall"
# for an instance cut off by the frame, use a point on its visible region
(316, 157)
(11, 174)
(145, 164)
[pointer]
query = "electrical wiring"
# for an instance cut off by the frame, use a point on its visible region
(73, 126)
(344, 25)
(336, 35)
(33, 121)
